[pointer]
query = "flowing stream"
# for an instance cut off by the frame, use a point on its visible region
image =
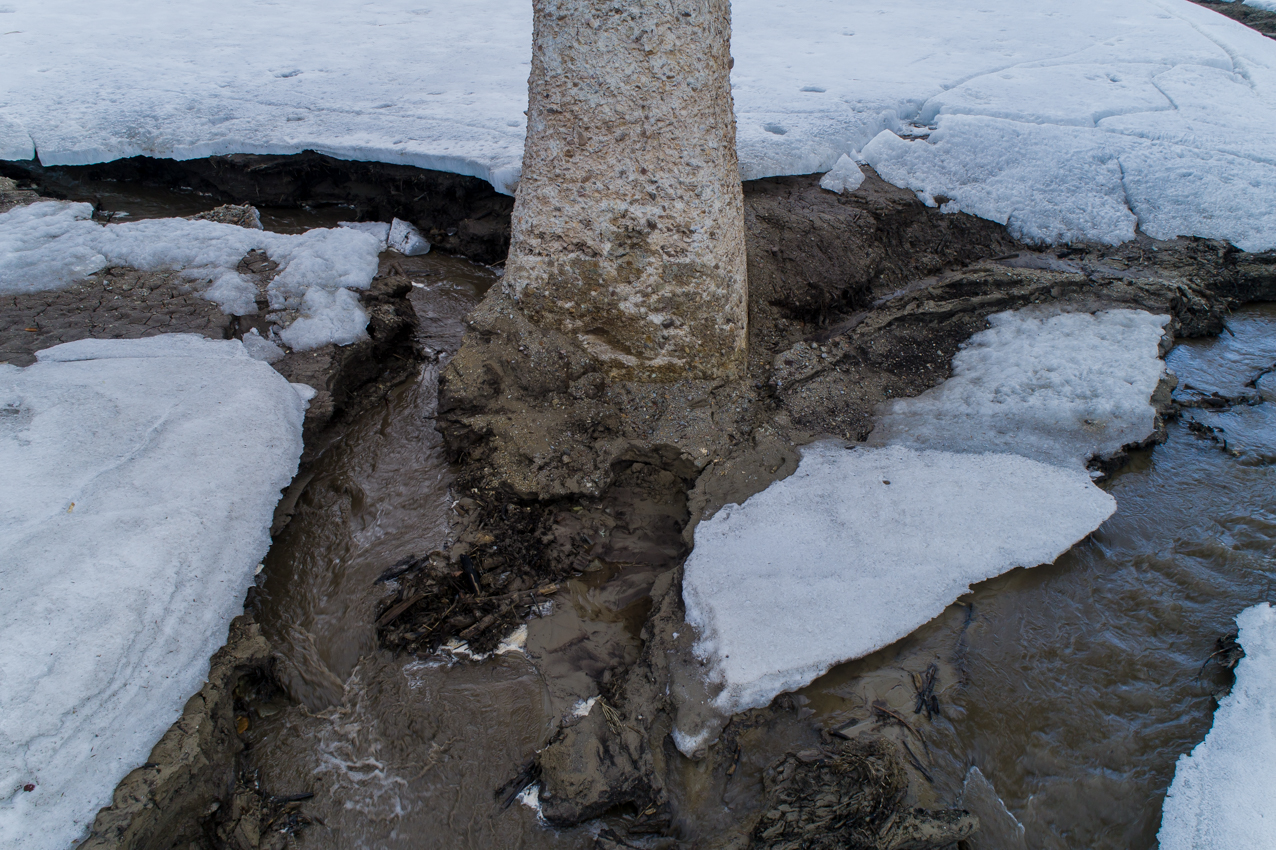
(1073, 687)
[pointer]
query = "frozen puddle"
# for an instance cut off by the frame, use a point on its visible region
(1222, 792)
(1062, 119)
(52, 244)
(975, 477)
(140, 478)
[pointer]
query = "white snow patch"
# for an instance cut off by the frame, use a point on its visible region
(1269, 5)
(406, 239)
(15, 141)
(51, 244)
(531, 797)
(377, 229)
(1221, 795)
(985, 473)
(141, 477)
(833, 562)
(1057, 388)
(845, 176)
(583, 707)
(260, 348)
(1147, 94)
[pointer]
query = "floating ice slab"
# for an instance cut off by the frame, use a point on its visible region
(1172, 106)
(1059, 388)
(140, 479)
(860, 547)
(985, 473)
(1221, 796)
(51, 244)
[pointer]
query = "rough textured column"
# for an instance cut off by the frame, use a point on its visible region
(628, 228)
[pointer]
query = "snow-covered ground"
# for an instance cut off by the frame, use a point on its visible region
(49, 245)
(973, 478)
(140, 479)
(1221, 796)
(1061, 118)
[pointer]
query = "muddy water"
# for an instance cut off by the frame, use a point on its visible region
(399, 752)
(1073, 687)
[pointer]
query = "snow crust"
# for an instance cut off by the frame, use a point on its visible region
(141, 477)
(858, 563)
(51, 244)
(983, 474)
(1064, 119)
(1221, 795)
(1057, 388)
(845, 176)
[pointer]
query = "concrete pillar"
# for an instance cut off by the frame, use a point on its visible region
(628, 228)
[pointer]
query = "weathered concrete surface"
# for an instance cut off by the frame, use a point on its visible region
(628, 232)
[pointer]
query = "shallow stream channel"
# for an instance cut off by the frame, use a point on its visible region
(1072, 687)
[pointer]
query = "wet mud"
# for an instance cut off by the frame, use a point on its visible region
(854, 300)
(534, 510)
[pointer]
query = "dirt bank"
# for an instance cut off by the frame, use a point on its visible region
(854, 300)
(458, 214)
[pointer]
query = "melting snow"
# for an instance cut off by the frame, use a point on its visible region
(141, 477)
(1062, 118)
(49, 245)
(1057, 388)
(978, 476)
(1221, 796)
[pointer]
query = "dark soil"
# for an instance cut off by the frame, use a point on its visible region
(458, 214)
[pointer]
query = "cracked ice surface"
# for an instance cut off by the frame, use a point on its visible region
(1063, 119)
(140, 479)
(978, 476)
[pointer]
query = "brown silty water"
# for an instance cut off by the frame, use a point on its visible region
(1073, 687)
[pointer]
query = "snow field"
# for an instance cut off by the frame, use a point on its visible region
(1063, 119)
(1221, 795)
(141, 478)
(51, 244)
(978, 476)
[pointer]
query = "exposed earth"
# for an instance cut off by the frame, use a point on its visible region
(854, 299)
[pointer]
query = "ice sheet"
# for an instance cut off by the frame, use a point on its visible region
(48, 245)
(1221, 796)
(1112, 100)
(982, 474)
(140, 480)
(1059, 388)
(833, 562)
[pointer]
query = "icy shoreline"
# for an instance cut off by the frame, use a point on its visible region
(1221, 795)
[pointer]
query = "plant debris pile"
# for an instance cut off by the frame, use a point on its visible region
(853, 797)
